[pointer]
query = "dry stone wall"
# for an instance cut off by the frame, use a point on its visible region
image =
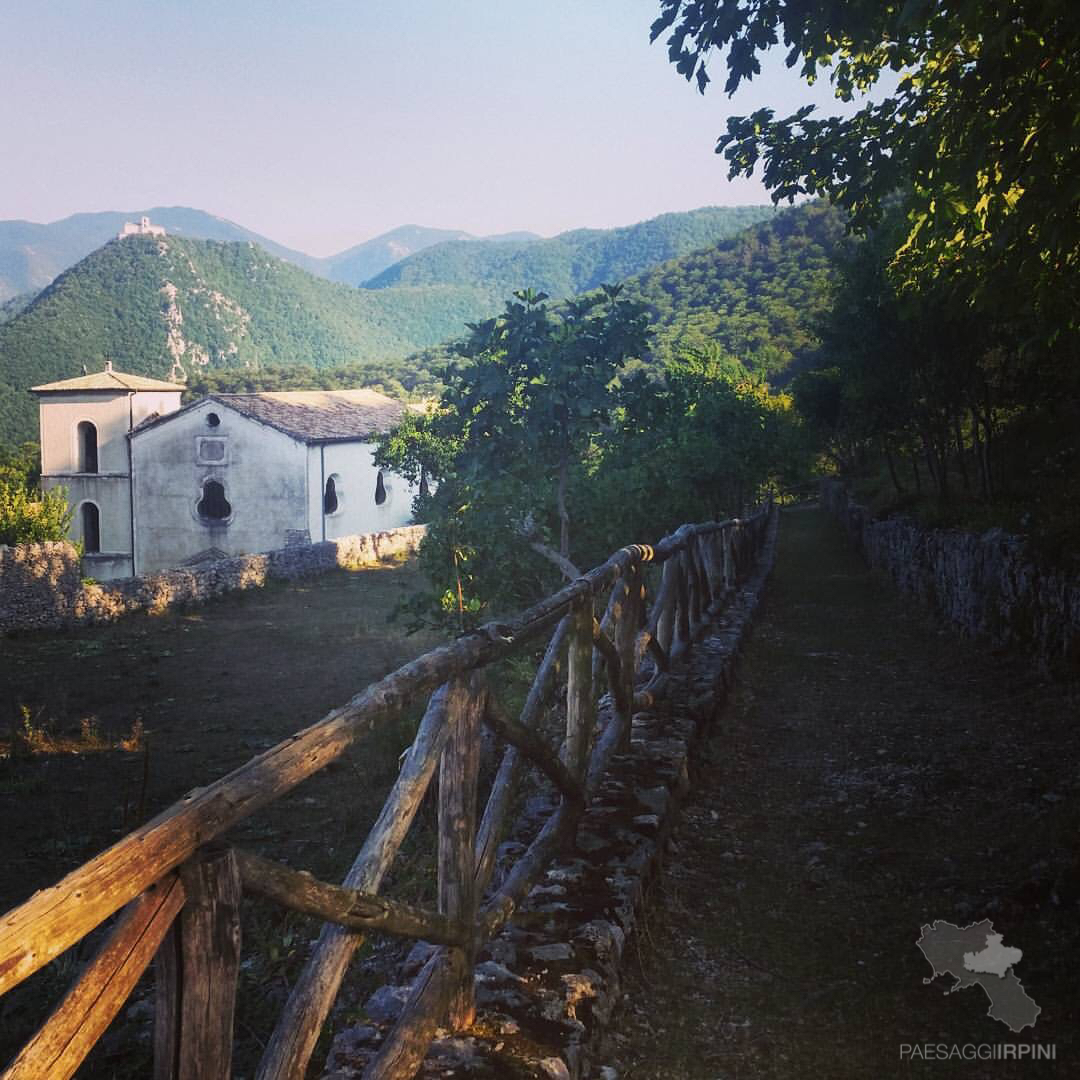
(988, 585)
(41, 585)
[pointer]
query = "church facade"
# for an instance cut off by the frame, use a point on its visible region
(154, 485)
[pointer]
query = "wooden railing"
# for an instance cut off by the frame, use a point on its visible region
(180, 889)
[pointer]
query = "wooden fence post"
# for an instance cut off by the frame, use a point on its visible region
(666, 599)
(197, 966)
(88, 1008)
(458, 772)
(699, 601)
(291, 1045)
(683, 630)
(626, 628)
(707, 571)
(580, 711)
(505, 783)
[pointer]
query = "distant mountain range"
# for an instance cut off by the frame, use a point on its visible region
(361, 263)
(32, 255)
(572, 262)
(152, 304)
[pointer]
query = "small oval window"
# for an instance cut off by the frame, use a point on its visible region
(212, 419)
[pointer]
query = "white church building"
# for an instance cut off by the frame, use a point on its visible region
(154, 485)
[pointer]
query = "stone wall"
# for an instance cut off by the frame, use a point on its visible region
(41, 585)
(990, 586)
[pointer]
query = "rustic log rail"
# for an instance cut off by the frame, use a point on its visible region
(180, 890)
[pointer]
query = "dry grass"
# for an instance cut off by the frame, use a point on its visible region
(37, 735)
(107, 726)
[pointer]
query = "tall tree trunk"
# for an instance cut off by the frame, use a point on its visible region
(564, 517)
(941, 456)
(980, 457)
(936, 463)
(892, 465)
(928, 453)
(939, 447)
(961, 451)
(995, 478)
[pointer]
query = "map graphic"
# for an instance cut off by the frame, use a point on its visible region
(977, 956)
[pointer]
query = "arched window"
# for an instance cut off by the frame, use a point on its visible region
(330, 502)
(425, 489)
(87, 435)
(91, 528)
(380, 489)
(213, 506)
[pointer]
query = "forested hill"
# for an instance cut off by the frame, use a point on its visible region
(32, 255)
(231, 308)
(364, 261)
(147, 302)
(758, 295)
(572, 262)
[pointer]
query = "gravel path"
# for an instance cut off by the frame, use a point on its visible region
(873, 775)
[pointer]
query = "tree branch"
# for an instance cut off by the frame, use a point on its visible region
(570, 571)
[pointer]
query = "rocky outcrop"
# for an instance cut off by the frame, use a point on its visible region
(41, 585)
(988, 585)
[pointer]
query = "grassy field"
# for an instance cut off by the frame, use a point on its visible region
(104, 727)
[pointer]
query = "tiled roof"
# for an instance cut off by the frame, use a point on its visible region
(107, 380)
(319, 415)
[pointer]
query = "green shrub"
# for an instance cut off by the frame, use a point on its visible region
(28, 515)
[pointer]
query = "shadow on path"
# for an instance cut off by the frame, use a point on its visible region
(874, 774)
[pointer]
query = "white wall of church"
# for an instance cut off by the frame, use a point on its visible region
(112, 497)
(263, 474)
(105, 482)
(355, 476)
(59, 416)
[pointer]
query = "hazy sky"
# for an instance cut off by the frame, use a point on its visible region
(323, 123)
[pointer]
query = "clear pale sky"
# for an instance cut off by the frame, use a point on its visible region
(323, 123)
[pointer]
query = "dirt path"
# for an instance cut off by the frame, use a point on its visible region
(873, 775)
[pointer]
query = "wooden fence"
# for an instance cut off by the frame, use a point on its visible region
(181, 889)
